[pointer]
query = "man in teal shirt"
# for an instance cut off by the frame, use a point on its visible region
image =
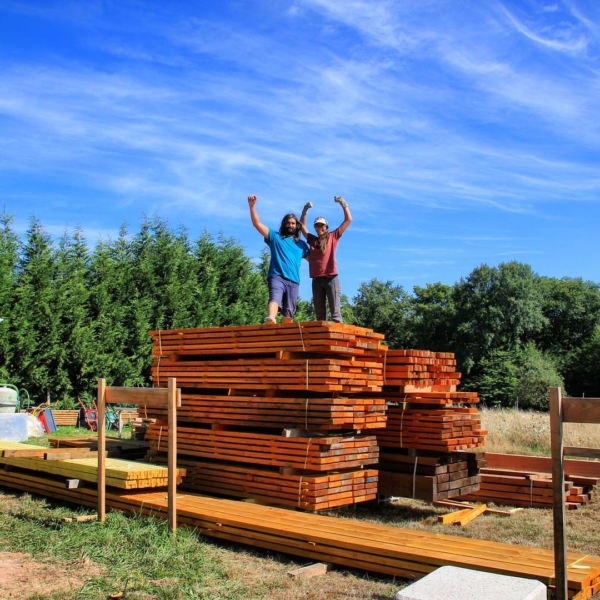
(287, 252)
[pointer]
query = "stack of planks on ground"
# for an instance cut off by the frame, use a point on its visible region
(428, 476)
(273, 412)
(83, 465)
(428, 426)
(372, 547)
(133, 449)
(526, 481)
(64, 418)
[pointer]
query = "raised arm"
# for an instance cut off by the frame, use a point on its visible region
(347, 215)
(262, 229)
(303, 218)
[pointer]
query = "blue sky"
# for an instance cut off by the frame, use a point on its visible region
(460, 133)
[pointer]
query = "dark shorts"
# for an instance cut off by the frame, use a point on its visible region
(285, 293)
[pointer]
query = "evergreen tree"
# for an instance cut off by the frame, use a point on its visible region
(75, 369)
(36, 318)
(9, 256)
(113, 299)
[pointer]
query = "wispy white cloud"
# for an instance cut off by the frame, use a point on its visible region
(561, 36)
(425, 119)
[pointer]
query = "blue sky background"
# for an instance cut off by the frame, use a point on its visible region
(460, 133)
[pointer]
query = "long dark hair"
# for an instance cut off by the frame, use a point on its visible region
(282, 227)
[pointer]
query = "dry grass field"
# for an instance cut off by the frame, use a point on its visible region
(94, 561)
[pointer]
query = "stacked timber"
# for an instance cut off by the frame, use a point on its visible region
(309, 411)
(429, 425)
(414, 370)
(275, 413)
(315, 491)
(134, 449)
(66, 417)
(120, 473)
(428, 476)
(527, 481)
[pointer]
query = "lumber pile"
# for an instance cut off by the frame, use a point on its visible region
(526, 481)
(298, 452)
(428, 426)
(309, 412)
(533, 490)
(414, 370)
(66, 417)
(317, 491)
(372, 547)
(428, 476)
(119, 473)
(267, 402)
(133, 449)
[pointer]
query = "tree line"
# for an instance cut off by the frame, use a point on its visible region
(72, 313)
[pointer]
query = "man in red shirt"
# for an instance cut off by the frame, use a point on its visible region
(323, 271)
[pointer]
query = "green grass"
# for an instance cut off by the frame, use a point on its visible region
(137, 553)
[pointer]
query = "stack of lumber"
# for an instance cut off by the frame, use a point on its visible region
(427, 427)
(527, 481)
(310, 412)
(293, 397)
(66, 417)
(116, 447)
(427, 476)
(414, 370)
(319, 374)
(372, 547)
(119, 473)
(314, 336)
(314, 491)
(307, 453)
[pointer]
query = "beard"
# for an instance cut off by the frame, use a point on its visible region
(290, 230)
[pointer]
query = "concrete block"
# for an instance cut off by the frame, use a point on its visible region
(456, 583)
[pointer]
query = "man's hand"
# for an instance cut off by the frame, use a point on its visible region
(341, 201)
(252, 200)
(306, 207)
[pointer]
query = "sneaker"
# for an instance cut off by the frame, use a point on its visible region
(269, 320)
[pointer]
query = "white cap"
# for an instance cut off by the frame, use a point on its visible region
(321, 220)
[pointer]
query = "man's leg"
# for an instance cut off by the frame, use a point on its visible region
(290, 300)
(334, 297)
(319, 298)
(276, 291)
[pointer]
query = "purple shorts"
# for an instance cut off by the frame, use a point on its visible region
(285, 293)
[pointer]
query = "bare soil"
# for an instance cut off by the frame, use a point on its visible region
(22, 577)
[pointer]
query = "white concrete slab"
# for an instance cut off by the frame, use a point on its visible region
(456, 583)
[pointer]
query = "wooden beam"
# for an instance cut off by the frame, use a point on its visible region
(581, 410)
(558, 495)
(584, 452)
(101, 450)
(173, 397)
(472, 514)
(313, 570)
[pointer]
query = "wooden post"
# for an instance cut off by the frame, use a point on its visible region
(172, 454)
(101, 450)
(558, 494)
